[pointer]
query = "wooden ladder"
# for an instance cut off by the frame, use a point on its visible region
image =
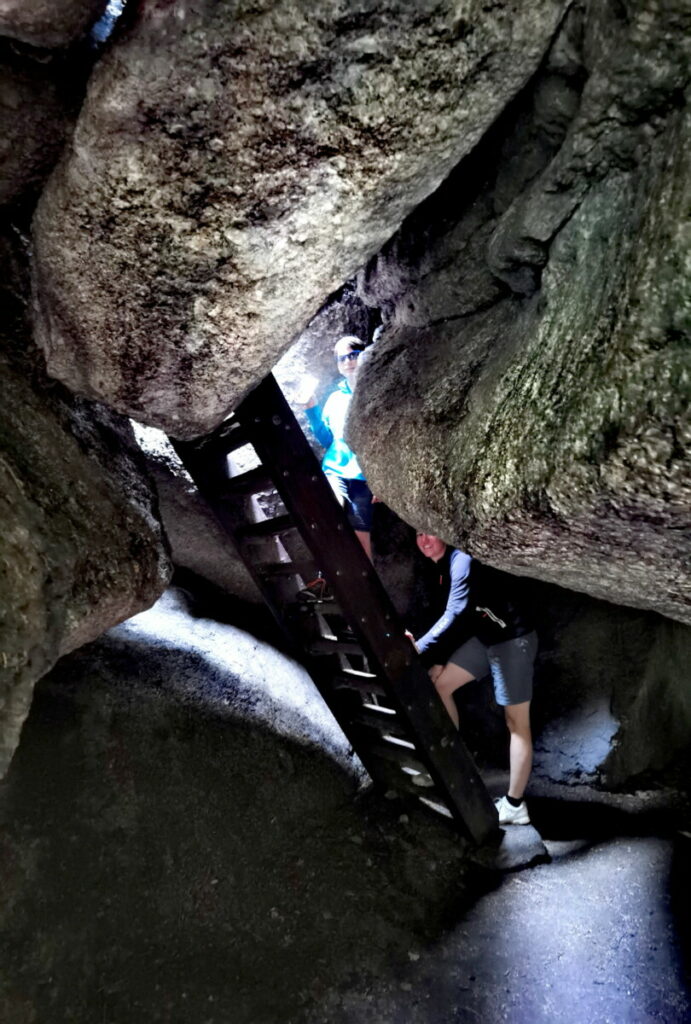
(288, 528)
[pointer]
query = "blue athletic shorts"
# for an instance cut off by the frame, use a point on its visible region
(356, 499)
(510, 664)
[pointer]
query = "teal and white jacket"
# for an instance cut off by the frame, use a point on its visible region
(328, 425)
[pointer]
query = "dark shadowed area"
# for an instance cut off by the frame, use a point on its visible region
(168, 856)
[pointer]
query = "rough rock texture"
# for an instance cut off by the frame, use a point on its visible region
(48, 23)
(80, 544)
(197, 541)
(234, 164)
(38, 105)
(612, 701)
(527, 400)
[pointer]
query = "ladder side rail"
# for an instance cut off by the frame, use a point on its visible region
(281, 445)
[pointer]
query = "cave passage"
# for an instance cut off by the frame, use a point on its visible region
(351, 641)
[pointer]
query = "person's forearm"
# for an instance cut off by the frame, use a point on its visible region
(434, 644)
(430, 643)
(319, 428)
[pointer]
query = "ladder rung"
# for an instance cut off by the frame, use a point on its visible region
(229, 437)
(254, 480)
(393, 752)
(391, 775)
(344, 681)
(267, 527)
(324, 646)
(323, 607)
(383, 721)
(431, 798)
(274, 569)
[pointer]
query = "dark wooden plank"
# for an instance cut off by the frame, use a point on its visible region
(322, 645)
(382, 721)
(362, 683)
(307, 570)
(251, 482)
(399, 755)
(265, 528)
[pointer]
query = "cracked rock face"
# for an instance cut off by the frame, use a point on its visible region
(80, 544)
(234, 164)
(48, 23)
(527, 400)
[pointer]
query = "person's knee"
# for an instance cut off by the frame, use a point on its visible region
(451, 678)
(445, 683)
(518, 718)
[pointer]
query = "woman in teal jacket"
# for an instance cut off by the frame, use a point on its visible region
(339, 463)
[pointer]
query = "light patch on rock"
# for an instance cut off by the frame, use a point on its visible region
(238, 674)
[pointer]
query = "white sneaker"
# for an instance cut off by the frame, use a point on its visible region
(510, 815)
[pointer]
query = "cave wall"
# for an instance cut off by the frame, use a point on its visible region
(527, 400)
(81, 546)
(512, 182)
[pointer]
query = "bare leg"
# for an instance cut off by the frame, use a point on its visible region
(366, 540)
(520, 748)
(447, 682)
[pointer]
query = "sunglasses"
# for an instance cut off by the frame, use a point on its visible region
(348, 357)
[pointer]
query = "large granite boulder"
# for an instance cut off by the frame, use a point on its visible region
(234, 164)
(80, 543)
(48, 23)
(527, 400)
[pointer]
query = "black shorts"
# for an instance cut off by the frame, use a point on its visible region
(356, 499)
(510, 664)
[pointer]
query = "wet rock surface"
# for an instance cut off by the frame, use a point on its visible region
(177, 847)
(80, 545)
(232, 167)
(526, 400)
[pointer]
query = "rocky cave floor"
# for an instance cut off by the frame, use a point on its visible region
(169, 855)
